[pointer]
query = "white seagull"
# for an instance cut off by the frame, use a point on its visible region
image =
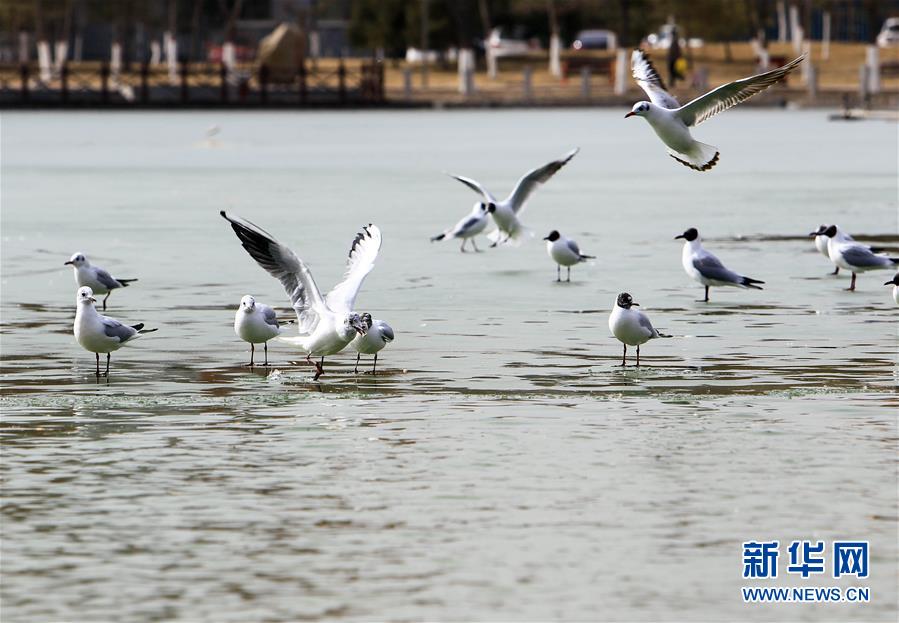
(94, 277)
(672, 122)
(895, 283)
(469, 227)
(855, 257)
(631, 326)
(327, 323)
(257, 324)
(707, 269)
(98, 333)
(821, 242)
(506, 212)
(378, 335)
(564, 252)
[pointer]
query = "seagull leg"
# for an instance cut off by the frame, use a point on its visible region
(318, 368)
(356, 369)
(462, 248)
(638, 354)
(569, 275)
(374, 365)
(836, 271)
(108, 356)
(104, 299)
(558, 273)
(252, 352)
(706, 299)
(265, 344)
(852, 283)
(476, 249)
(98, 364)
(624, 355)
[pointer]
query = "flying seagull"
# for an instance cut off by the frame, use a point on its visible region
(672, 122)
(506, 212)
(326, 324)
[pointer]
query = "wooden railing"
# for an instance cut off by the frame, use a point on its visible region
(329, 82)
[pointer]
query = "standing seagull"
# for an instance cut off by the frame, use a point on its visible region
(468, 227)
(821, 243)
(707, 269)
(505, 213)
(564, 252)
(631, 326)
(326, 324)
(895, 283)
(672, 122)
(94, 277)
(98, 333)
(378, 335)
(255, 323)
(853, 256)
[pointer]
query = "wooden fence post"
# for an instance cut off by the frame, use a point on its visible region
(223, 82)
(104, 82)
(23, 74)
(64, 82)
(144, 82)
(184, 84)
(303, 81)
(263, 83)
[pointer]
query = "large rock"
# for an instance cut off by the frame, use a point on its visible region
(282, 52)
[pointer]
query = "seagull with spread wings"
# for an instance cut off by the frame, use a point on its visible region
(672, 122)
(326, 324)
(506, 212)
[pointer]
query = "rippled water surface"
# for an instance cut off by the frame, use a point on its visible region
(501, 465)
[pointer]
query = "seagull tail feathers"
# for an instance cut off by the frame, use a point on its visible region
(701, 158)
(125, 282)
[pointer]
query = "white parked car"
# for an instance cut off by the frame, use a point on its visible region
(595, 40)
(889, 34)
(504, 46)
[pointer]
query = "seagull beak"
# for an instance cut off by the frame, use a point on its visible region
(546, 237)
(630, 114)
(888, 283)
(814, 233)
(67, 263)
(93, 300)
(637, 304)
(681, 236)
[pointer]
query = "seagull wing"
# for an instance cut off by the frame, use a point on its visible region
(362, 256)
(475, 186)
(729, 95)
(282, 264)
(859, 255)
(114, 328)
(532, 179)
(109, 282)
(650, 81)
(711, 268)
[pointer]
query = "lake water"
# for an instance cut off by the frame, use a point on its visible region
(500, 465)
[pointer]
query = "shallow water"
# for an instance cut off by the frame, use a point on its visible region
(500, 465)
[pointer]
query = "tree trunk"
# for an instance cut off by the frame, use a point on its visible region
(488, 51)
